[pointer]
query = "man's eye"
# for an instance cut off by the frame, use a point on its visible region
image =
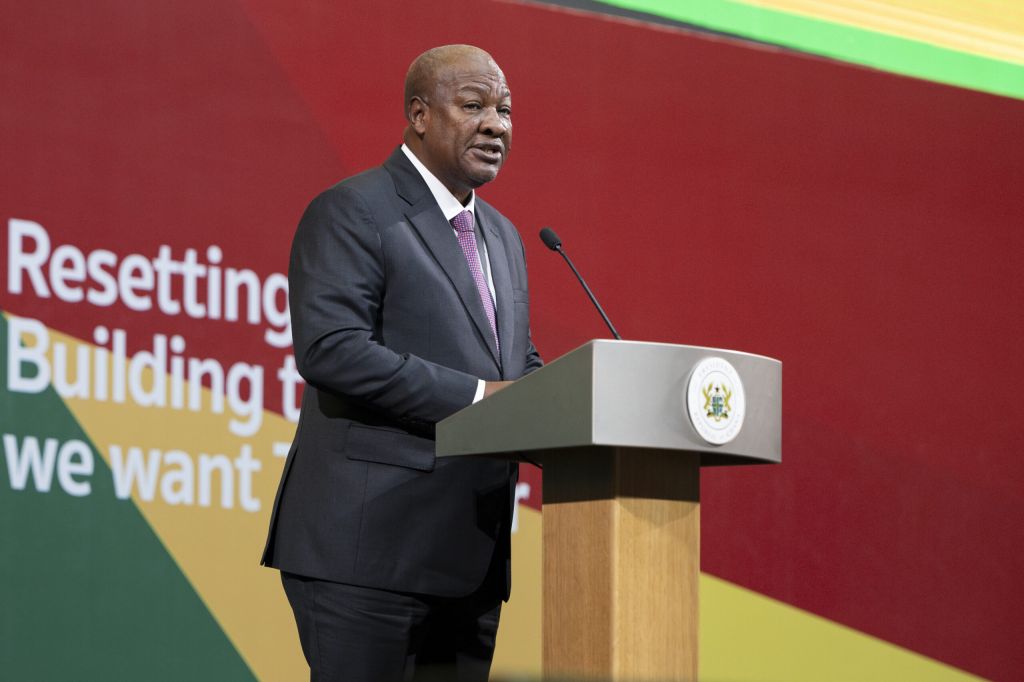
(473, 106)
(505, 111)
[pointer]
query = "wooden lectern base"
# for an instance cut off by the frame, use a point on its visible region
(621, 564)
(621, 524)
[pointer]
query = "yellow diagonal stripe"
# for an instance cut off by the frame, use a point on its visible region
(992, 28)
(748, 637)
(744, 637)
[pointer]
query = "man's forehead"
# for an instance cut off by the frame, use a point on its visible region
(476, 79)
(472, 72)
(480, 84)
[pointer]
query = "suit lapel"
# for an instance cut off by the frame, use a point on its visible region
(498, 260)
(439, 237)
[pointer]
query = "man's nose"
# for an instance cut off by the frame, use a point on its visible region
(493, 124)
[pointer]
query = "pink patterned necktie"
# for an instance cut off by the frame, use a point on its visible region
(463, 224)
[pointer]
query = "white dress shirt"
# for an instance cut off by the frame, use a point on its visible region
(451, 207)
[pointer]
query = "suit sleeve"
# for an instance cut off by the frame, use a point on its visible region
(533, 359)
(337, 280)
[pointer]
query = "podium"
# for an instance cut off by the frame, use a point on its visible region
(622, 429)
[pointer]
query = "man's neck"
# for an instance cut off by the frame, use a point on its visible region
(450, 204)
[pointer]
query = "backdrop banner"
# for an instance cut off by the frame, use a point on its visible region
(864, 228)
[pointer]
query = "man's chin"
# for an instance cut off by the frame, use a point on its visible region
(481, 176)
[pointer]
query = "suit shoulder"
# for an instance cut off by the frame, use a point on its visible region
(369, 185)
(353, 204)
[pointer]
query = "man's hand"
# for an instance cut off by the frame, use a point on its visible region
(491, 387)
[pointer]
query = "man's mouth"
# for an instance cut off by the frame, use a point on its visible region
(490, 151)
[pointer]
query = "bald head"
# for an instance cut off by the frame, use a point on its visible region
(437, 66)
(459, 110)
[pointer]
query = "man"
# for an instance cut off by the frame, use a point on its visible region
(409, 302)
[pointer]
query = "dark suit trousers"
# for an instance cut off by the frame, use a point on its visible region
(360, 634)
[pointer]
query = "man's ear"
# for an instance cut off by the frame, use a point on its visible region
(419, 112)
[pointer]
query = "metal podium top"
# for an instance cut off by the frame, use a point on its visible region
(632, 394)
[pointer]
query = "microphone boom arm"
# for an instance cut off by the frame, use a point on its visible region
(558, 248)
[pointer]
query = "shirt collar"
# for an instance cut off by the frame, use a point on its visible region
(450, 206)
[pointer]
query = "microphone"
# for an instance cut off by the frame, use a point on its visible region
(551, 240)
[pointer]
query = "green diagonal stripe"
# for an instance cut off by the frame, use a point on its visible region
(838, 41)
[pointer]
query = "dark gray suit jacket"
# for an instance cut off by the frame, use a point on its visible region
(391, 337)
